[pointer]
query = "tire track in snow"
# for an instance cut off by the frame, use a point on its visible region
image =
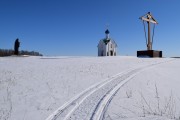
(75, 100)
(99, 113)
(92, 103)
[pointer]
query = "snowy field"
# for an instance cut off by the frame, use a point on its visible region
(83, 88)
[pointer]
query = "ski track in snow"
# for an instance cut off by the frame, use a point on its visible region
(92, 103)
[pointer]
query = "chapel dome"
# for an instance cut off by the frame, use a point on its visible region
(107, 31)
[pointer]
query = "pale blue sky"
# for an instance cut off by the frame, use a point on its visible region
(74, 27)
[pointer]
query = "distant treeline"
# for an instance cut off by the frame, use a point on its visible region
(9, 52)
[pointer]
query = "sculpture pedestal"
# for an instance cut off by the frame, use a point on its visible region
(149, 53)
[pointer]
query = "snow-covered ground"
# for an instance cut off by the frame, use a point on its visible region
(151, 94)
(35, 88)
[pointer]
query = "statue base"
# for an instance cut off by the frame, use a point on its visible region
(149, 53)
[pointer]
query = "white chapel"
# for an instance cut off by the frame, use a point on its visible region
(107, 46)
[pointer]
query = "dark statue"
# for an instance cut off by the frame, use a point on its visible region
(16, 47)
